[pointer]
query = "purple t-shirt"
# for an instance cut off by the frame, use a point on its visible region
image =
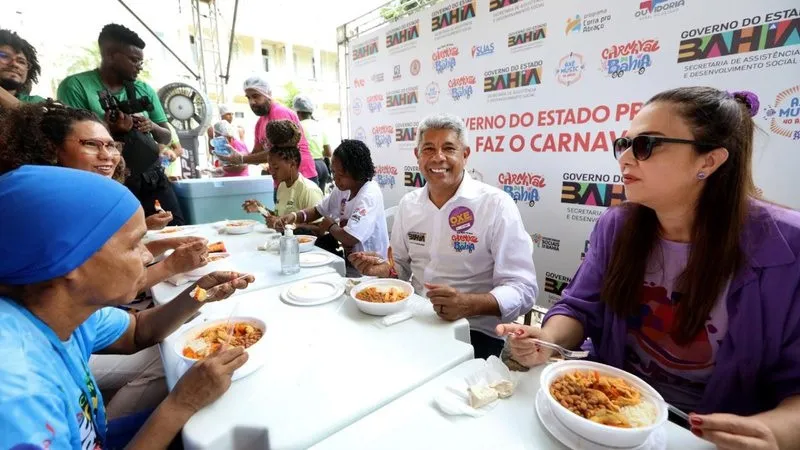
(679, 373)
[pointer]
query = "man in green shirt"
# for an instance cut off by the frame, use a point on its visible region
(19, 70)
(142, 129)
(317, 139)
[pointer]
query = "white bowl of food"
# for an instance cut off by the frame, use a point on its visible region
(306, 243)
(382, 297)
(634, 412)
(240, 226)
(200, 341)
(216, 261)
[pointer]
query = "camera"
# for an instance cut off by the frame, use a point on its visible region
(114, 106)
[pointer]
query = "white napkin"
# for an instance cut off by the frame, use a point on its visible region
(454, 399)
(181, 279)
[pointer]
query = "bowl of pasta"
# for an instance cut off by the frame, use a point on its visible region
(381, 297)
(603, 404)
(203, 340)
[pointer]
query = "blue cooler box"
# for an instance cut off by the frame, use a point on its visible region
(208, 200)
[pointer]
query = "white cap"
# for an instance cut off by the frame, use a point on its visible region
(224, 109)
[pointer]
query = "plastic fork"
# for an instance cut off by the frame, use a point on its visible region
(567, 354)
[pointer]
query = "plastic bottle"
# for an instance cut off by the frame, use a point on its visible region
(290, 252)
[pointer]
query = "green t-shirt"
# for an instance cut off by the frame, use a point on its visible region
(27, 98)
(80, 91)
(316, 137)
(303, 194)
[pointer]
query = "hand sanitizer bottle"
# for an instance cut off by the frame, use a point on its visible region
(290, 252)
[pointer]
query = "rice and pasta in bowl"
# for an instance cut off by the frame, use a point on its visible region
(603, 404)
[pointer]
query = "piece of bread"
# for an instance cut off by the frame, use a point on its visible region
(199, 294)
(217, 247)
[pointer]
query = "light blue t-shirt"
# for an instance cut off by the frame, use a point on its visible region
(40, 403)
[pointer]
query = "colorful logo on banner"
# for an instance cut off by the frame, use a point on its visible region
(403, 34)
(727, 39)
(555, 283)
(432, 93)
(512, 77)
(366, 50)
(402, 97)
(397, 73)
(462, 87)
(461, 219)
(634, 56)
(444, 58)
(361, 134)
(358, 105)
(413, 177)
(359, 83)
(651, 8)
(522, 187)
(377, 77)
(573, 25)
(453, 14)
(784, 115)
(570, 69)
(385, 176)
(415, 67)
(482, 50)
(504, 9)
(591, 190)
(527, 38)
(588, 23)
(382, 135)
(545, 242)
(405, 132)
(375, 103)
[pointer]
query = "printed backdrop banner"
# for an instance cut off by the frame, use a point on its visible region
(545, 86)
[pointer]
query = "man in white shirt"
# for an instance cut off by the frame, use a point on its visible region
(460, 242)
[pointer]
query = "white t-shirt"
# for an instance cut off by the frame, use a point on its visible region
(362, 217)
(475, 243)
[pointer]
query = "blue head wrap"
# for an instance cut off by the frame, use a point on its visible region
(53, 219)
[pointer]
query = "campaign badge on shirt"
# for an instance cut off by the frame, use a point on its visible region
(461, 220)
(342, 206)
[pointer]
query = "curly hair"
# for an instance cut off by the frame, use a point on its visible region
(32, 134)
(284, 135)
(11, 39)
(355, 159)
(120, 35)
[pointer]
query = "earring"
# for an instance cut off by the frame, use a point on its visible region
(701, 176)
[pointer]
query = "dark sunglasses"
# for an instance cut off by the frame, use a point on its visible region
(643, 145)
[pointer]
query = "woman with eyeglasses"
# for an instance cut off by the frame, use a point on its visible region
(52, 134)
(693, 284)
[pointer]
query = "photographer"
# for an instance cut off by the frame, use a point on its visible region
(133, 113)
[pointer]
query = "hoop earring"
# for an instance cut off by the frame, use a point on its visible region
(701, 176)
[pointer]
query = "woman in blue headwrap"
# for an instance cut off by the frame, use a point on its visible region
(53, 134)
(59, 286)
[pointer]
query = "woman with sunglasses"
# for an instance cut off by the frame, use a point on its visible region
(693, 284)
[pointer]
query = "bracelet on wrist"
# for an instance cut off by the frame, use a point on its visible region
(294, 214)
(305, 218)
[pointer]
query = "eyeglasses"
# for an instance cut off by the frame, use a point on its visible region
(93, 146)
(643, 145)
(20, 60)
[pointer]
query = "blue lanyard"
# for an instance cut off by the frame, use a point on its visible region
(80, 377)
